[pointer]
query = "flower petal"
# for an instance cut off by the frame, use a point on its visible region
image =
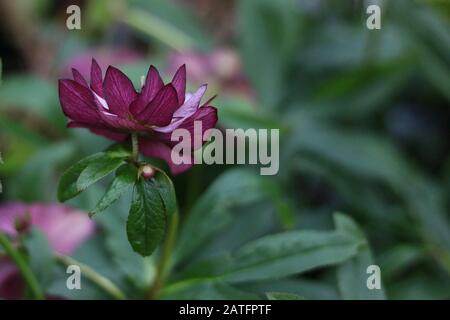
(119, 123)
(77, 102)
(179, 82)
(78, 77)
(208, 118)
(153, 83)
(11, 283)
(96, 78)
(160, 110)
(192, 103)
(102, 131)
(65, 228)
(156, 149)
(118, 91)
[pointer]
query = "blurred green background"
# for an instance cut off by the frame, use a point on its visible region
(364, 120)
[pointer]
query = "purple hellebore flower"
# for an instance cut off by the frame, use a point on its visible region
(111, 107)
(64, 227)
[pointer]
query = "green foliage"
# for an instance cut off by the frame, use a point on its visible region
(124, 180)
(40, 256)
(147, 219)
(363, 119)
(89, 170)
(352, 273)
(282, 296)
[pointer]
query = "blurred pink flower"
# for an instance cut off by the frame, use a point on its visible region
(65, 228)
(221, 67)
(105, 57)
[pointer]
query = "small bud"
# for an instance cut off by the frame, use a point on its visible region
(147, 171)
(23, 223)
(142, 81)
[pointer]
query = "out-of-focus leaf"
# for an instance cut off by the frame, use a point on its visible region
(35, 181)
(240, 113)
(135, 269)
(289, 253)
(205, 290)
(211, 213)
(398, 259)
(40, 255)
(94, 254)
(352, 274)
(268, 34)
(167, 22)
(436, 71)
(33, 94)
(301, 286)
(282, 296)
(420, 286)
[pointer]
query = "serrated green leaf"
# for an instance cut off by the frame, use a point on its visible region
(97, 169)
(147, 218)
(125, 178)
(67, 187)
(283, 296)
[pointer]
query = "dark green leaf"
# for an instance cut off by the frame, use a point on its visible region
(352, 276)
(97, 169)
(283, 296)
(40, 257)
(212, 212)
(118, 150)
(147, 219)
(67, 187)
(166, 191)
(289, 253)
(205, 290)
(125, 178)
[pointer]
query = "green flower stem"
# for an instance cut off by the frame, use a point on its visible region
(164, 264)
(26, 272)
(135, 146)
(94, 276)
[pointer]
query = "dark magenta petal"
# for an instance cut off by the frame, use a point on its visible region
(118, 91)
(160, 110)
(123, 124)
(153, 83)
(156, 149)
(191, 105)
(102, 131)
(96, 78)
(11, 283)
(179, 82)
(78, 77)
(77, 102)
(207, 116)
